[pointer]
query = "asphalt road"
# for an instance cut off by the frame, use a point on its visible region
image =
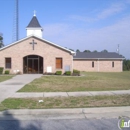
(88, 119)
(62, 124)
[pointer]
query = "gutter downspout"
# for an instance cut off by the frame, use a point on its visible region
(72, 63)
(121, 65)
(98, 65)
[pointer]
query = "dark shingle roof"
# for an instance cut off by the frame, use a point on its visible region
(97, 55)
(34, 23)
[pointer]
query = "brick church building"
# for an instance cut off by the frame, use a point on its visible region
(33, 54)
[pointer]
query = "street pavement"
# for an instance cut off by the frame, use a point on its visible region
(64, 119)
(71, 124)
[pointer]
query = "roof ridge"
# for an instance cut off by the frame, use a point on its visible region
(98, 55)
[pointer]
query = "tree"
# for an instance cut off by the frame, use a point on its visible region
(71, 49)
(95, 51)
(1, 42)
(87, 51)
(126, 65)
(77, 50)
(104, 50)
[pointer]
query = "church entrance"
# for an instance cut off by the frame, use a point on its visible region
(32, 64)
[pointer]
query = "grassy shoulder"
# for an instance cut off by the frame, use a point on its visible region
(91, 81)
(5, 77)
(64, 102)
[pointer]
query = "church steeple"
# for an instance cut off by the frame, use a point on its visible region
(34, 28)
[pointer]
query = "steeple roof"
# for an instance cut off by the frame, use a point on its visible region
(34, 23)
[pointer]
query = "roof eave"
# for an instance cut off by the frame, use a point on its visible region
(98, 58)
(72, 52)
(33, 27)
(13, 43)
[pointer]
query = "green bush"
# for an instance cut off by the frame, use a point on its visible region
(48, 73)
(6, 71)
(68, 73)
(1, 70)
(126, 65)
(76, 72)
(58, 72)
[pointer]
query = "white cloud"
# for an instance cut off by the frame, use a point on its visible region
(82, 18)
(96, 39)
(55, 29)
(105, 13)
(113, 9)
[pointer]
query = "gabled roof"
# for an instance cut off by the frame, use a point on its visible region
(97, 55)
(34, 23)
(48, 42)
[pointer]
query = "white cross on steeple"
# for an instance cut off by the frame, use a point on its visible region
(34, 13)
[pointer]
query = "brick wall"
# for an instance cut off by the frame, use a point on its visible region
(49, 54)
(101, 65)
(43, 49)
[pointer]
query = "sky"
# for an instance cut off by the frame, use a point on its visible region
(75, 24)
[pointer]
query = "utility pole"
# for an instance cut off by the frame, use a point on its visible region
(118, 50)
(16, 22)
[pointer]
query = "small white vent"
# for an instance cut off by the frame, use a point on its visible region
(49, 69)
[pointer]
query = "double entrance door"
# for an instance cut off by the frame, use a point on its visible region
(33, 64)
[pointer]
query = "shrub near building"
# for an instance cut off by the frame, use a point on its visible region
(58, 72)
(76, 73)
(7, 71)
(1, 70)
(68, 73)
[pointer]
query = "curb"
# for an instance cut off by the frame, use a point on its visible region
(101, 110)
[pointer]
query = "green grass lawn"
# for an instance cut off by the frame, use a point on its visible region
(5, 77)
(65, 102)
(92, 81)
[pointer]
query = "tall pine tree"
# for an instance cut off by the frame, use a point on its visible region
(1, 42)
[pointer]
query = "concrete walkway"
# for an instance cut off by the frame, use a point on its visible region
(68, 94)
(9, 87)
